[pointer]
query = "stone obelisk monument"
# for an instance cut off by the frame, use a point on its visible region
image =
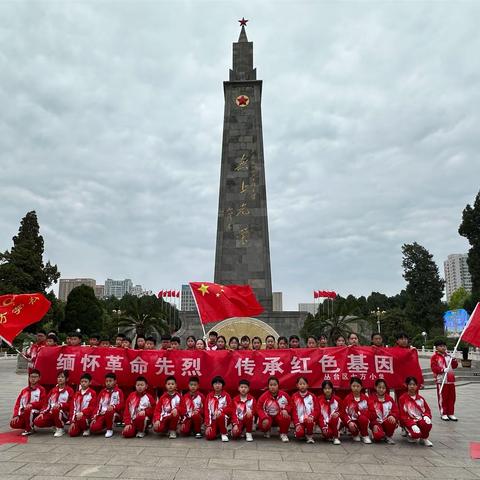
(243, 250)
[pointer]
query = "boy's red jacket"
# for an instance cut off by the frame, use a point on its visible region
(241, 407)
(62, 396)
(222, 402)
(189, 404)
(304, 406)
(35, 396)
(413, 409)
(109, 398)
(351, 409)
(83, 402)
(270, 406)
(135, 403)
(328, 408)
(166, 403)
(439, 363)
(381, 410)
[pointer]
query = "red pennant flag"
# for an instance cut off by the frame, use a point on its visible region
(218, 302)
(178, 294)
(20, 311)
(160, 294)
(471, 334)
(315, 294)
(164, 294)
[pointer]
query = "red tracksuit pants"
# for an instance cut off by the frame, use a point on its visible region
(193, 423)
(330, 431)
(304, 428)
(103, 422)
(245, 424)
(78, 426)
(385, 429)
(279, 420)
(359, 426)
(219, 425)
(24, 419)
(446, 400)
(167, 424)
(56, 417)
(139, 424)
(424, 429)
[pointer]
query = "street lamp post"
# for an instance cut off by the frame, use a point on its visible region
(424, 335)
(379, 314)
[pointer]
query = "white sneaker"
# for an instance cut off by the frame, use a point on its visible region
(309, 439)
(172, 434)
(404, 432)
(390, 440)
(224, 438)
(140, 434)
(412, 440)
(336, 441)
(445, 418)
(266, 435)
(356, 438)
(366, 439)
(198, 435)
(109, 433)
(86, 433)
(59, 432)
(26, 433)
(426, 442)
(284, 437)
(248, 437)
(453, 418)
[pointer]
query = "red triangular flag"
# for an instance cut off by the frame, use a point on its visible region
(471, 334)
(178, 294)
(315, 294)
(160, 294)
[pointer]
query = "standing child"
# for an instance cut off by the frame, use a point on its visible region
(191, 409)
(29, 403)
(138, 410)
(167, 415)
(383, 413)
(108, 408)
(305, 411)
(355, 412)
(83, 406)
(274, 408)
(57, 411)
(218, 406)
(243, 412)
(442, 365)
(415, 414)
(329, 407)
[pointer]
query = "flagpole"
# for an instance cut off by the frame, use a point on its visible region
(16, 349)
(456, 347)
(199, 316)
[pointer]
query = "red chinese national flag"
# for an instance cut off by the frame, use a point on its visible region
(218, 302)
(471, 334)
(19, 311)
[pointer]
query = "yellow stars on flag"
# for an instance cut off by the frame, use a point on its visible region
(204, 289)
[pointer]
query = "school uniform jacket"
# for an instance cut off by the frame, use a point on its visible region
(326, 408)
(35, 396)
(222, 403)
(191, 403)
(380, 410)
(109, 398)
(135, 403)
(62, 396)
(270, 406)
(304, 406)
(83, 402)
(439, 363)
(413, 409)
(166, 403)
(351, 409)
(241, 407)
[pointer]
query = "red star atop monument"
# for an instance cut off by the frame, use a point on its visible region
(243, 22)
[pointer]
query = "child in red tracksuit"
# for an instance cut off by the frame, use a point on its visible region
(167, 411)
(383, 413)
(29, 403)
(108, 407)
(138, 410)
(218, 406)
(274, 408)
(57, 411)
(442, 365)
(243, 412)
(329, 412)
(83, 406)
(415, 414)
(191, 409)
(355, 414)
(305, 411)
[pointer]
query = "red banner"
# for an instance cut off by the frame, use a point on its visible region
(337, 364)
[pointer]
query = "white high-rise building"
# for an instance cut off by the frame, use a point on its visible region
(277, 301)
(117, 288)
(187, 302)
(457, 274)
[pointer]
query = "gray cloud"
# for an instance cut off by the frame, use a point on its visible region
(111, 129)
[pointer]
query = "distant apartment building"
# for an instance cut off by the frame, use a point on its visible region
(277, 301)
(117, 288)
(456, 274)
(137, 290)
(100, 291)
(187, 302)
(66, 285)
(308, 307)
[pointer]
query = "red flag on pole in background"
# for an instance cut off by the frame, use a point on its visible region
(160, 294)
(217, 302)
(178, 294)
(20, 311)
(315, 294)
(471, 334)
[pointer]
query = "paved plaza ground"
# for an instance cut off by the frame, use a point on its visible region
(45, 457)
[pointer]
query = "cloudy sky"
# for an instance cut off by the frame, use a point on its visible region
(111, 123)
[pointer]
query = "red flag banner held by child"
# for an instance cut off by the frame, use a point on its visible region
(471, 334)
(20, 311)
(217, 302)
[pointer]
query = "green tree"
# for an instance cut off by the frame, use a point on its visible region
(470, 229)
(55, 315)
(83, 310)
(22, 269)
(424, 290)
(458, 299)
